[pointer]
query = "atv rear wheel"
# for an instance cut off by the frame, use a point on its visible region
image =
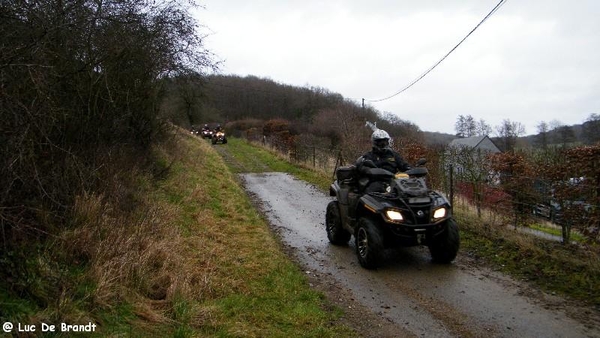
(444, 247)
(369, 243)
(333, 225)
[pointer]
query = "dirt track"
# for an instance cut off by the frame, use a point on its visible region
(412, 296)
(409, 295)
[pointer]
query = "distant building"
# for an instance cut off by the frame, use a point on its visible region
(483, 143)
(469, 158)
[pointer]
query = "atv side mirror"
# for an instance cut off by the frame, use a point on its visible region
(421, 161)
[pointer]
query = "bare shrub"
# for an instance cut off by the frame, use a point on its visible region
(80, 87)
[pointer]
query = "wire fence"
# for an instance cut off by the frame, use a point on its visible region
(325, 159)
(518, 200)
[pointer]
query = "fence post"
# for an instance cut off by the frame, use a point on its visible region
(451, 184)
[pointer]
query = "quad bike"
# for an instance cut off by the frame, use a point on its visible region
(219, 137)
(407, 213)
(207, 133)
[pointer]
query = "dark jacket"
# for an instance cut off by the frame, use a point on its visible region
(386, 159)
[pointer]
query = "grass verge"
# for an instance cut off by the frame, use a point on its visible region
(556, 231)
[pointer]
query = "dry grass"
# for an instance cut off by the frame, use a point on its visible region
(185, 255)
(140, 249)
(128, 254)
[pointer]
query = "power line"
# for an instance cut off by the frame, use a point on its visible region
(445, 56)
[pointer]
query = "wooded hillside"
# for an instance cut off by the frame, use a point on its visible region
(317, 111)
(248, 103)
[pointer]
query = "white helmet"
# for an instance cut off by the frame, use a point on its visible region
(380, 139)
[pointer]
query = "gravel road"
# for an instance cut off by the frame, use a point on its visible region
(409, 296)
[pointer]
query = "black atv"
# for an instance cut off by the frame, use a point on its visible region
(207, 133)
(407, 213)
(219, 137)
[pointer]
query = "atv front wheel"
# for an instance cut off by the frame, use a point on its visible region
(444, 247)
(369, 243)
(333, 224)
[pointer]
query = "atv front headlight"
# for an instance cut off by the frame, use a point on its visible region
(439, 213)
(393, 215)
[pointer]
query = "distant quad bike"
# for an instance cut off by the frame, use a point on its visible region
(207, 133)
(406, 214)
(219, 137)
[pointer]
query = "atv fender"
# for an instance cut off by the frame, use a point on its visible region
(363, 208)
(333, 189)
(367, 202)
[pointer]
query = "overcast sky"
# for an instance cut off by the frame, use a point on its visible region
(532, 61)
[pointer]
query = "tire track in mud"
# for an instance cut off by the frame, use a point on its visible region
(455, 321)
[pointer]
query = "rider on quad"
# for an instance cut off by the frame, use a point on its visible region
(206, 132)
(383, 203)
(382, 156)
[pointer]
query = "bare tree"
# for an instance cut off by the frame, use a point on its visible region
(459, 126)
(189, 95)
(508, 132)
(466, 126)
(482, 128)
(542, 137)
(470, 126)
(555, 124)
(401, 130)
(344, 126)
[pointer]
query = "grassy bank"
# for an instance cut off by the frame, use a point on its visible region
(182, 254)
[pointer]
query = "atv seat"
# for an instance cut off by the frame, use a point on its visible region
(374, 180)
(346, 174)
(378, 174)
